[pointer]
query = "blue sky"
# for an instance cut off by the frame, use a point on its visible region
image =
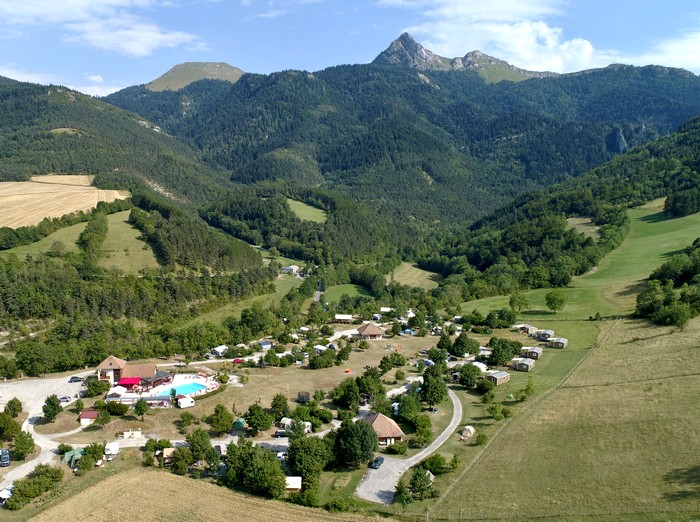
(99, 46)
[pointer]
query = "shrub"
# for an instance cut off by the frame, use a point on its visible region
(436, 464)
(338, 505)
(64, 448)
(481, 439)
(484, 386)
(93, 388)
(222, 378)
(487, 397)
(211, 393)
(398, 448)
(117, 408)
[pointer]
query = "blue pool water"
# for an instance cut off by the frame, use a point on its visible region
(185, 389)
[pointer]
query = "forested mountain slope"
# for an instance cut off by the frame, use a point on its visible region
(436, 146)
(529, 244)
(50, 129)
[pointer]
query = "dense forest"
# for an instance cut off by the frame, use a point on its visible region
(420, 146)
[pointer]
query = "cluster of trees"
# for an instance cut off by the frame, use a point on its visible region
(44, 478)
(672, 294)
(11, 431)
(178, 238)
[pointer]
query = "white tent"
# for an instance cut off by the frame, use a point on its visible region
(467, 431)
(117, 390)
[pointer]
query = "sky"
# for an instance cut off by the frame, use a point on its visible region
(100, 46)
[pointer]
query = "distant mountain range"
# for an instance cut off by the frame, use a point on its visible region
(418, 136)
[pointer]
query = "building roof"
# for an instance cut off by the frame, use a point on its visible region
(384, 426)
(370, 329)
(112, 363)
(536, 349)
(88, 414)
(129, 381)
(498, 375)
(528, 362)
(139, 370)
(292, 482)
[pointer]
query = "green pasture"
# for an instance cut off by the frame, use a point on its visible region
(334, 293)
(409, 274)
(123, 249)
(307, 212)
(67, 236)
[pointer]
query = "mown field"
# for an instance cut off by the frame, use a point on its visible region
(172, 498)
(307, 212)
(334, 293)
(66, 236)
(123, 249)
(28, 202)
(409, 274)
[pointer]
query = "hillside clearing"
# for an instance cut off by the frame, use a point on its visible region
(123, 249)
(409, 274)
(67, 236)
(27, 203)
(334, 293)
(617, 438)
(307, 212)
(585, 226)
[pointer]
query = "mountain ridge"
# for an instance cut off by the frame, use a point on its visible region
(183, 74)
(405, 50)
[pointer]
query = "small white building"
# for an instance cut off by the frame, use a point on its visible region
(185, 402)
(291, 270)
(292, 483)
(343, 318)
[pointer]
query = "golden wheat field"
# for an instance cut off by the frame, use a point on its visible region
(147, 494)
(25, 203)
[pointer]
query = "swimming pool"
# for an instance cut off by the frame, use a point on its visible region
(185, 389)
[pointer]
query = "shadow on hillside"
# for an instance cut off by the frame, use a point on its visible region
(673, 253)
(537, 312)
(656, 218)
(688, 477)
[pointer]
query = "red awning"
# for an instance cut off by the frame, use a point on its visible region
(129, 381)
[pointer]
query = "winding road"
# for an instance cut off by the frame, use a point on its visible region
(379, 485)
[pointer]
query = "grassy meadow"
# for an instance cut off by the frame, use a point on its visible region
(409, 274)
(334, 293)
(123, 249)
(307, 212)
(68, 236)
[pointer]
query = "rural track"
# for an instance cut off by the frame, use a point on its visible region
(379, 485)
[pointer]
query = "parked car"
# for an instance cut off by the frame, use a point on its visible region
(64, 398)
(4, 457)
(281, 456)
(75, 378)
(238, 361)
(376, 463)
(280, 433)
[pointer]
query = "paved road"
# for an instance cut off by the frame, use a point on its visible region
(379, 485)
(33, 393)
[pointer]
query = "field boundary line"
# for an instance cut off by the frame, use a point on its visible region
(526, 409)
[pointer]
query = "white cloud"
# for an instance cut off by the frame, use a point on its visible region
(105, 24)
(10, 71)
(96, 90)
(94, 78)
(679, 51)
(512, 30)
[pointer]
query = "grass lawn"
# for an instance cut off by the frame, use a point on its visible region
(334, 293)
(409, 274)
(307, 212)
(68, 236)
(123, 249)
